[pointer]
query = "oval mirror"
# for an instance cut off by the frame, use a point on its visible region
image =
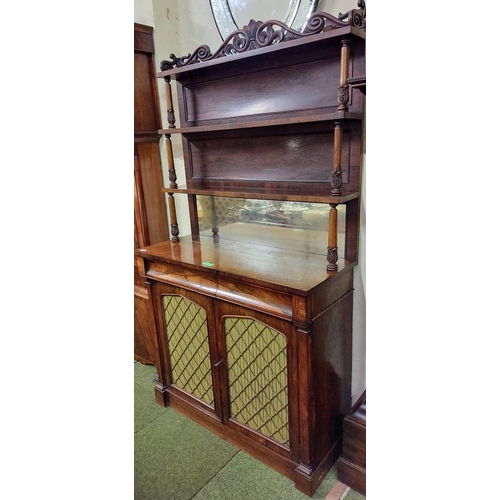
(231, 15)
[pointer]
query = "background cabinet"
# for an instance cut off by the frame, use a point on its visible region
(150, 224)
(254, 311)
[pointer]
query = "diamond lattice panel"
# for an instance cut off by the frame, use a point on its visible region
(187, 334)
(257, 365)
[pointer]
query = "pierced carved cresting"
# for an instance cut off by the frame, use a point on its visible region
(258, 34)
(356, 17)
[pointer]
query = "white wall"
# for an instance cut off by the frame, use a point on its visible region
(182, 26)
(143, 12)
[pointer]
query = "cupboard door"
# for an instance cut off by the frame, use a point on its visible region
(186, 329)
(258, 378)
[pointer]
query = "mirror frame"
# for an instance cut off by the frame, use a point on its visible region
(296, 17)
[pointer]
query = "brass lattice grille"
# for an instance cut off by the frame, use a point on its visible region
(257, 366)
(187, 334)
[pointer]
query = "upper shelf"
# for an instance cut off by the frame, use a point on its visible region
(266, 77)
(322, 33)
(264, 122)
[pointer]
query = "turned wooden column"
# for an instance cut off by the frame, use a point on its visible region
(337, 160)
(332, 250)
(172, 175)
(174, 228)
(215, 219)
(343, 97)
(170, 105)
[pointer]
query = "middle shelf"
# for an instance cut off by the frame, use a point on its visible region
(282, 120)
(287, 162)
(267, 192)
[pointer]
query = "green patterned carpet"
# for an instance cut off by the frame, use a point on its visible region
(177, 459)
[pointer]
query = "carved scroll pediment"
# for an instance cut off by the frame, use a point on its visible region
(258, 34)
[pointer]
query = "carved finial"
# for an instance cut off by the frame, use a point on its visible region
(332, 256)
(168, 65)
(356, 17)
(336, 184)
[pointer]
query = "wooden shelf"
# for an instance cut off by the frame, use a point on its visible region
(262, 122)
(267, 194)
(241, 252)
(358, 83)
(327, 41)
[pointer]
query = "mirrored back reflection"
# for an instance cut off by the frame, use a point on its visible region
(215, 212)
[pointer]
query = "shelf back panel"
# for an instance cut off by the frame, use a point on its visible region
(300, 80)
(272, 158)
(281, 159)
(296, 88)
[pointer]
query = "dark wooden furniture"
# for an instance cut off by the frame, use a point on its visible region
(150, 224)
(351, 466)
(255, 319)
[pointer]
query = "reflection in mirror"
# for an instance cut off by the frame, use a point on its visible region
(230, 15)
(258, 10)
(227, 217)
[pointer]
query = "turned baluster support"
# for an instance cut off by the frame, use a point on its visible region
(343, 97)
(174, 228)
(170, 106)
(337, 160)
(215, 219)
(172, 175)
(332, 250)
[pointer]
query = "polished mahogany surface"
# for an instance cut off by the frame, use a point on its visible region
(270, 115)
(277, 257)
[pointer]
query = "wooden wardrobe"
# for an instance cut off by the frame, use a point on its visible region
(150, 214)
